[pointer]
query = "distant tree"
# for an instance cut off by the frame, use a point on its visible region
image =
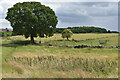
(109, 31)
(67, 33)
(6, 29)
(114, 32)
(32, 19)
(84, 29)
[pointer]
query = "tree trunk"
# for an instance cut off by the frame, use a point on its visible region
(67, 38)
(32, 39)
(40, 41)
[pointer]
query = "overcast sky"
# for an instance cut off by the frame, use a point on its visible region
(99, 13)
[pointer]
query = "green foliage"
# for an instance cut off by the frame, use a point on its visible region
(58, 30)
(5, 34)
(32, 19)
(109, 31)
(67, 33)
(14, 34)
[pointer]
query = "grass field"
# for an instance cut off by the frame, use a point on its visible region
(21, 59)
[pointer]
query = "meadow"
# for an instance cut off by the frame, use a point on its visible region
(56, 57)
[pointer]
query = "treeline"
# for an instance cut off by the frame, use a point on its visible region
(6, 34)
(84, 30)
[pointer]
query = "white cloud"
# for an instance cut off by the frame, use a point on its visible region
(82, 12)
(54, 6)
(101, 9)
(2, 20)
(4, 24)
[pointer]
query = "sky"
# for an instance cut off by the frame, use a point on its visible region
(71, 13)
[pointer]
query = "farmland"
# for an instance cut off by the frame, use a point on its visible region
(56, 57)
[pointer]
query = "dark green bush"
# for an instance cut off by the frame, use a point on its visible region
(14, 34)
(5, 34)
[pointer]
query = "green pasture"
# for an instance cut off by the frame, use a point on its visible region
(22, 59)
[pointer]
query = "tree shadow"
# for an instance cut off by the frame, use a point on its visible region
(18, 43)
(70, 40)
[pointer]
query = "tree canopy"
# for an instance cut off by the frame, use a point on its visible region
(67, 33)
(32, 19)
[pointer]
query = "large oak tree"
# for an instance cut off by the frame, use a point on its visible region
(32, 19)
